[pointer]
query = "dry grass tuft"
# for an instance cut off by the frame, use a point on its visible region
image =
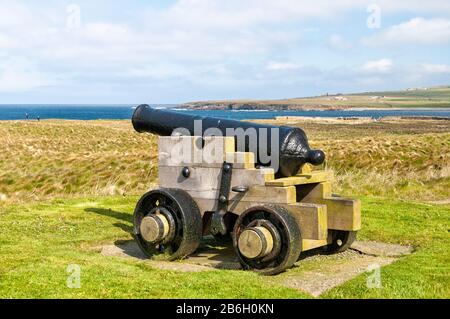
(73, 158)
(408, 159)
(400, 159)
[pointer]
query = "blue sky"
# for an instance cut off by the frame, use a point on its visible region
(138, 51)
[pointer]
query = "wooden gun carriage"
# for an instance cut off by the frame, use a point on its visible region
(213, 189)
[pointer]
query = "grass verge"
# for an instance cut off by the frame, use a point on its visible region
(39, 242)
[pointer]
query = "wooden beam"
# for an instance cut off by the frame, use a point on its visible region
(343, 213)
(244, 160)
(312, 218)
(314, 177)
(259, 194)
(193, 150)
(308, 244)
(208, 178)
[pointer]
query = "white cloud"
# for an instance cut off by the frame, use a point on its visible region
(107, 32)
(197, 44)
(245, 13)
(436, 68)
(337, 42)
(282, 66)
(7, 42)
(13, 14)
(378, 66)
(415, 31)
(19, 75)
(238, 13)
(415, 6)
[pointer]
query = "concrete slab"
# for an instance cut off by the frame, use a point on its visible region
(373, 248)
(315, 273)
(331, 271)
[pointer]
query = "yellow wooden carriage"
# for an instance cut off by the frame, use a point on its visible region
(270, 221)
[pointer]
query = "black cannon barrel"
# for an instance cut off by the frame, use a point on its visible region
(293, 150)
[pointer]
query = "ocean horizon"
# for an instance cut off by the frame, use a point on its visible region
(125, 111)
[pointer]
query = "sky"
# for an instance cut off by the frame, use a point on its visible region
(167, 51)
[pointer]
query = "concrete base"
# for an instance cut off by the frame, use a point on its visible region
(315, 273)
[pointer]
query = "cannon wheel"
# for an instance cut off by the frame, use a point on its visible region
(184, 230)
(285, 238)
(340, 241)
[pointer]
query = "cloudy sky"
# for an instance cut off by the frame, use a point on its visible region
(98, 51)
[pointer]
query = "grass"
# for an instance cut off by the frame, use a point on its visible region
(73, 158)
(425, 273)
(406, 159)
(39, 242)
(404, 166)
(394, 158)
(69, 187)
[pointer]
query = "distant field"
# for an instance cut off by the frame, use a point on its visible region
(399, 159)
(408, 159)
(436, 97)
(50, 159)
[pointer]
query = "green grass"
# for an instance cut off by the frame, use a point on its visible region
(54, 176)
(39, 241)
(425, 273)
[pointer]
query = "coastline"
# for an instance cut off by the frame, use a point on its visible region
(434, 109)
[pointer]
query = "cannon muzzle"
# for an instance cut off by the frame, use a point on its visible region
(292, 146)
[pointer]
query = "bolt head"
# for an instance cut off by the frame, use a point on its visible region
(222, 199)
(186, 172)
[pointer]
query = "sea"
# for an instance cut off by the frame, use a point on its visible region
(123, 112)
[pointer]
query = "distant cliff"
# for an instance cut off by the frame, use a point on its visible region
(260, 106)
(435, 97)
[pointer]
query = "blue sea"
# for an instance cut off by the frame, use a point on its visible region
(121, 112)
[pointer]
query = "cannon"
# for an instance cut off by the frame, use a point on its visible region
(219, 184)
(292, 148)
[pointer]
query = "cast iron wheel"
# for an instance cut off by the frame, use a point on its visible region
(285, 244)
(182, 231)
(340, 241)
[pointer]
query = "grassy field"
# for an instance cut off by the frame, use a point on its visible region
(39, 241)
(401, 159)
(413, 98)
(394, 158)
(74, 158)
(69, 187)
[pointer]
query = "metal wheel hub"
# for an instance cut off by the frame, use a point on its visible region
(255, 242)
(155, 227)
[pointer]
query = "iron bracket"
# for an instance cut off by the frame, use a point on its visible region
(217, 222)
